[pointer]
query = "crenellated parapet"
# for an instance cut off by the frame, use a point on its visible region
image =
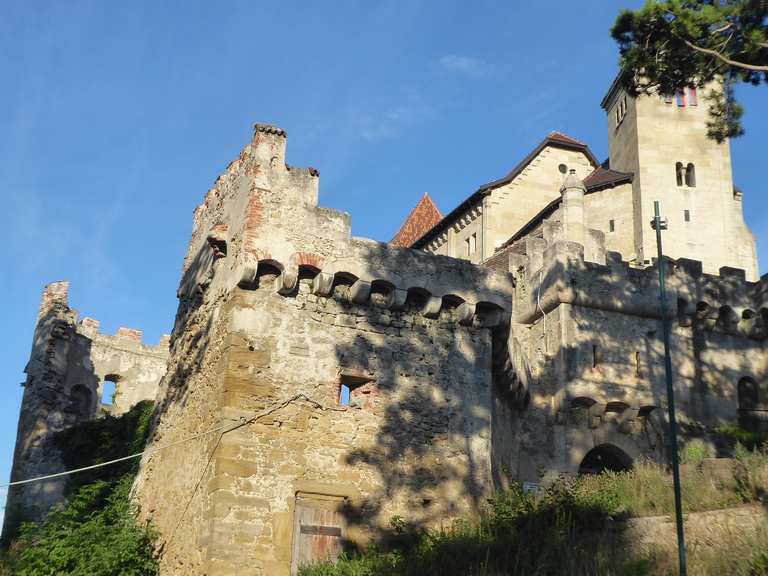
(262, 215)
(549, 274)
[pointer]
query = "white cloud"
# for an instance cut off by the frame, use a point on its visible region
(389, 121)
(468, 65)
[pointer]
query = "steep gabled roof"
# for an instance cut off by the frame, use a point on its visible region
(422, 218)
(600, 179)
(554, 138)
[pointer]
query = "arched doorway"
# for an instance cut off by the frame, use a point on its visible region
(605, 457)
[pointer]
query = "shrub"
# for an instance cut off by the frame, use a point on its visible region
(694, 452)
(95, 532)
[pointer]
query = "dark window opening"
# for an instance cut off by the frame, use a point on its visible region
(80, 401)
(595, 359)
(687, 215)
(611, 226)
(563, 169)
(637, 363)
(748, 394)
(679, 173)
(690, 175)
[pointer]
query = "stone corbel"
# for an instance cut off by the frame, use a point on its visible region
(396, 299)
(286, 282)
(249, 268)
(360, 291)
(322, 284)
(466, 312)
(432, 307)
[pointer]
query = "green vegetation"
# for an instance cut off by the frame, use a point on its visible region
(95, 533)
(571, 529)
(668, 45)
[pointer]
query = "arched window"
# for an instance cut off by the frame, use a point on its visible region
(679, 173)
(748, 394)
(109, 390)
(605, 457)
(690, 175)
(80, 401)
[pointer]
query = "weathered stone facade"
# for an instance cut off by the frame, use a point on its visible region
(66, 373)
(323, 384)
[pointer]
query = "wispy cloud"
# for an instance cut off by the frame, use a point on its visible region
(389, 122)
(475, 67)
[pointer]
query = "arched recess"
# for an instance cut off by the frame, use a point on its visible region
(80, 402)
(690, 175)
(749, 397)
(603, 458)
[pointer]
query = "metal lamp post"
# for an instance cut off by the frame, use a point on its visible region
(659, 224)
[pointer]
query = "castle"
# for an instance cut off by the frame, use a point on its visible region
(515, 339)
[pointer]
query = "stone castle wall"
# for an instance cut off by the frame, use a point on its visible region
(279, 300)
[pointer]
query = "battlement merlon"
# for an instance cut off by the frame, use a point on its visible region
(263, 213)
(55, 293)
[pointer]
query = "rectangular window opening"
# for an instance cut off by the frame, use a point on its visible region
(344, 395)
(687, 215)
(637, 363)
(611, 226)
(595, 359)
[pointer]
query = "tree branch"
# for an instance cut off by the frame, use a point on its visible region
(725, 59)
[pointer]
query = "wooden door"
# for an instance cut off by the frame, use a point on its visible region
(318, 529)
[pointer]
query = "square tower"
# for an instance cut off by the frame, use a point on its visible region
(663, 141)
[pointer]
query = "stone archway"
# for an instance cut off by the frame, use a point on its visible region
(605, 457)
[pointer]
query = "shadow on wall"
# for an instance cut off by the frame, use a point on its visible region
(611, 368)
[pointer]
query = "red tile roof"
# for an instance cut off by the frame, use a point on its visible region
(605, 178)
(564, 138)
(421, 219)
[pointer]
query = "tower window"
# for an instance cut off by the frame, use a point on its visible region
(687, 215)
(693, 98)
(611, 226)
(595, 358)
(621, 110)
(690, 175)
(679, 173)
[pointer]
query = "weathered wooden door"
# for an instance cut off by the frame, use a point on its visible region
(318, 529)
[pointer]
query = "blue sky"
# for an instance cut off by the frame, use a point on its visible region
(117, 117)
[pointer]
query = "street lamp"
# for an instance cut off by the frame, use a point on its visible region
(658, 224)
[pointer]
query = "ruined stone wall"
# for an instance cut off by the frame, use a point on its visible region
(65, 377)
(277, 300)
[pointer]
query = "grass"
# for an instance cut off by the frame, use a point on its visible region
(571, 529)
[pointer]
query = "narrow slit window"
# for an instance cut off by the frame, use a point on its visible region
(637, 363)
(679, 173)
(595, 359)
(611, 226)
(680, 96)
(344, 395)
(467, 248)
(687, 215)
(690, 176)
